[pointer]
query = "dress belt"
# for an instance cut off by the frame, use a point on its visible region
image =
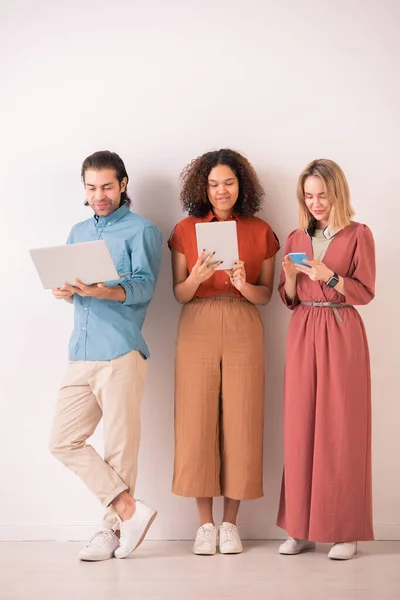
(333, 305)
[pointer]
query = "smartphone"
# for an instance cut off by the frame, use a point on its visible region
(299, 257)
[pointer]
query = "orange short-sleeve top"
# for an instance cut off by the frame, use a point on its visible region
(256, 240)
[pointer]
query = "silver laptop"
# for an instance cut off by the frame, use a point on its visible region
(90, 262)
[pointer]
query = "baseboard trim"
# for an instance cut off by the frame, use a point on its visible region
(64, 532)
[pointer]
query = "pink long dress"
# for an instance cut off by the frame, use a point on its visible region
(326, 489)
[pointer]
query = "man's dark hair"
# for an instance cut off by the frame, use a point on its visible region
(104, 159)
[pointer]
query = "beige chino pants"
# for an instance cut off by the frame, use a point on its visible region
(111, 389)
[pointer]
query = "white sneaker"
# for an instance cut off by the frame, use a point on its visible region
(206, 540)
(295, 546)
(229, 539)
(343, 550)
(134, 529)
(101, 546)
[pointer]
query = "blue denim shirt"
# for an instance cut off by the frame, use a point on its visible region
(106, 329)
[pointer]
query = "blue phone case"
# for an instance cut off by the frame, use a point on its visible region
(299, 257)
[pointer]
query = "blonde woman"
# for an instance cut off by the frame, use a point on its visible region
(326, 491)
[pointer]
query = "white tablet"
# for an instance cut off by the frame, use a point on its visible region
(90, 262)
(219, 237)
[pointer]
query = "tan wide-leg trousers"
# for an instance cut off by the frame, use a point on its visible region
(111, 389)
(219, 399)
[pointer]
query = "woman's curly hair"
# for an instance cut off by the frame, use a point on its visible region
(194, 178)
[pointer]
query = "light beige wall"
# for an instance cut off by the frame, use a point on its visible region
(160, 83)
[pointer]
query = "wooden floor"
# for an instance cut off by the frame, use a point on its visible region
(168, 570)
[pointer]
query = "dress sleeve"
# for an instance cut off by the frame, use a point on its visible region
(291, 304)
(360, 287)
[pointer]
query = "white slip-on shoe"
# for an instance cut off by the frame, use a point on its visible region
(133, 531)
(101, 546)
(206, 540)
(295, 546)
(229, 539)
(343, 550)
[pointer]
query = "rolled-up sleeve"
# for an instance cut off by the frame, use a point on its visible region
(175, 241)
(146, 262)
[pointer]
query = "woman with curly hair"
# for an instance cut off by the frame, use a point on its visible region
(219, 362)
(326, 490)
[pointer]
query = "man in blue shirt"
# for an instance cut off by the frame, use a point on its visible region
(108, 359)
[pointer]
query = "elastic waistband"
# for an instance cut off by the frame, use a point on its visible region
(333, 305)
(220, 298)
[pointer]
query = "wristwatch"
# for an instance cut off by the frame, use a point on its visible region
(334, 280)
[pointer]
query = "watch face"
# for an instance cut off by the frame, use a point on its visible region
(334, 280)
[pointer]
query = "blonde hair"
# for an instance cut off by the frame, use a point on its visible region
(336, 190)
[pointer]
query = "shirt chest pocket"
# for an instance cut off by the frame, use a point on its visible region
(121, 258)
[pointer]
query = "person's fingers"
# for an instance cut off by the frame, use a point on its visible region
(303, 269)
(204, 269)
(215, 266)
(69, 288)
(237, 270)
(208, 259)
(200, 258)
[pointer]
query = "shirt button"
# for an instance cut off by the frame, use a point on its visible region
(108, 224)
(83, 328)
(226, 283)
(85, 308)
(100, 230)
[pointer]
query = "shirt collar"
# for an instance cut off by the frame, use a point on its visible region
(211, 217)
(329, 232)
(114, 216)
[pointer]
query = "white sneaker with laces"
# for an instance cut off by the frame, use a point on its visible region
(343, 550)
(133, 530)
(101, 546)
(295, 546)
(229, 539)
(206, 540)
